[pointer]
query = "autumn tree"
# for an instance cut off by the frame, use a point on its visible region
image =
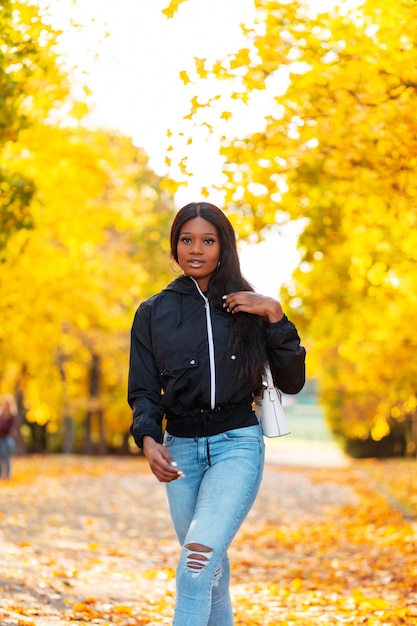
(31, 82)
(98, 245)
(337, 149)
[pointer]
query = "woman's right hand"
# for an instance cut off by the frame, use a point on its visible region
(160, 461)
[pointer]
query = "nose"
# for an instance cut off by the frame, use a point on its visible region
(196, 248)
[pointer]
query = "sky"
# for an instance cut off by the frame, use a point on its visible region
(131, 56)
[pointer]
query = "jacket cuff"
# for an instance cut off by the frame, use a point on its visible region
(138, 433)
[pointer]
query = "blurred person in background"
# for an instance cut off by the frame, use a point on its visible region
(8, 423)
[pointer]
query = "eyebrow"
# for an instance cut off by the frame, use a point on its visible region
(187, 232)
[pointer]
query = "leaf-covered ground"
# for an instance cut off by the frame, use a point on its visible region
(89, 541)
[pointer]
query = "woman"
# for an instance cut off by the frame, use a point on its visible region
(198, 350)
(8, 422)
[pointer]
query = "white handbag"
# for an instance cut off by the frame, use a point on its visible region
(268, 408)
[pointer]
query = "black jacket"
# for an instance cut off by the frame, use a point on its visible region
(181, 366)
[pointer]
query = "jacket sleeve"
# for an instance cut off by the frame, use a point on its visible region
(144, 386)
(286, 356)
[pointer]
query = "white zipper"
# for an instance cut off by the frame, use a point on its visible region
(210, 347)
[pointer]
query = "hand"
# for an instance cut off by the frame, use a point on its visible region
(160, 461)
(255, 303)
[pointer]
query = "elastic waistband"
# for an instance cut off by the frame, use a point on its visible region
(219, 408)
(212, 421)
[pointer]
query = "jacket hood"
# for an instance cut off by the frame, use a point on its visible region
(183, 285)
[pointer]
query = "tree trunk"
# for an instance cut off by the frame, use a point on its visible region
(95, 440)
(68, 434)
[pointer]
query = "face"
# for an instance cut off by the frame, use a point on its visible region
(198, 250)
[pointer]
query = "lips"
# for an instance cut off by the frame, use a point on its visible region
(195, 263)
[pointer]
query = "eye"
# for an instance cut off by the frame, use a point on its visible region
(185, 239)
(209, 240)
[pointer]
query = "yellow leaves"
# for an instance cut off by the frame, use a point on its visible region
(122, 610)
(79, 110)
(183, 167)
(297, 584)
(241, 95)
(377, 274)
(171, 186)
(163, 574)
(39, 414)
(184, 77)
(200, 68)
(380, 430)
(226, 115)
(77, 276)
(86, 610)
(240, 59)
(358, 599)
(65, 573)
(219, 71)
(172, 8)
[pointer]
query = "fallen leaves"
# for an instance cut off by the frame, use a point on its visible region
(89, 541)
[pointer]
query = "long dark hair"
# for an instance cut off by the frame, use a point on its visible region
(247, 330)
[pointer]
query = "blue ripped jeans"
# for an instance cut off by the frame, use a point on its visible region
(208, 507)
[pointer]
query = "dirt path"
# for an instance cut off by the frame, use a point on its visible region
(89, 541)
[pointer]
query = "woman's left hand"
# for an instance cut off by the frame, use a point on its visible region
(255, 303)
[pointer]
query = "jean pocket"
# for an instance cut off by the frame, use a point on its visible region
(248, 433)
(168, 440)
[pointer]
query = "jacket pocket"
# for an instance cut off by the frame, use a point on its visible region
(176, 362)
(179, 378)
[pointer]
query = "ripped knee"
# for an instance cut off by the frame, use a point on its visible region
(198, 557)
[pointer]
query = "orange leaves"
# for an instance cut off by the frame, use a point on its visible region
(320, 546)
(68, 573)
(85, 610)
(333, 564)
(92, 609)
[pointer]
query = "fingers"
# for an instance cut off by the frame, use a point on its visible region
(232, 301)
(247, 301)
(163, 466)
(178, 473)
(255, 303)
(167, 474)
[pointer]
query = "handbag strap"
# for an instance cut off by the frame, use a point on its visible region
(268, 376)
(270, 381)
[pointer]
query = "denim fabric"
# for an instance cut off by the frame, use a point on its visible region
(222, 478)
(6, 450)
